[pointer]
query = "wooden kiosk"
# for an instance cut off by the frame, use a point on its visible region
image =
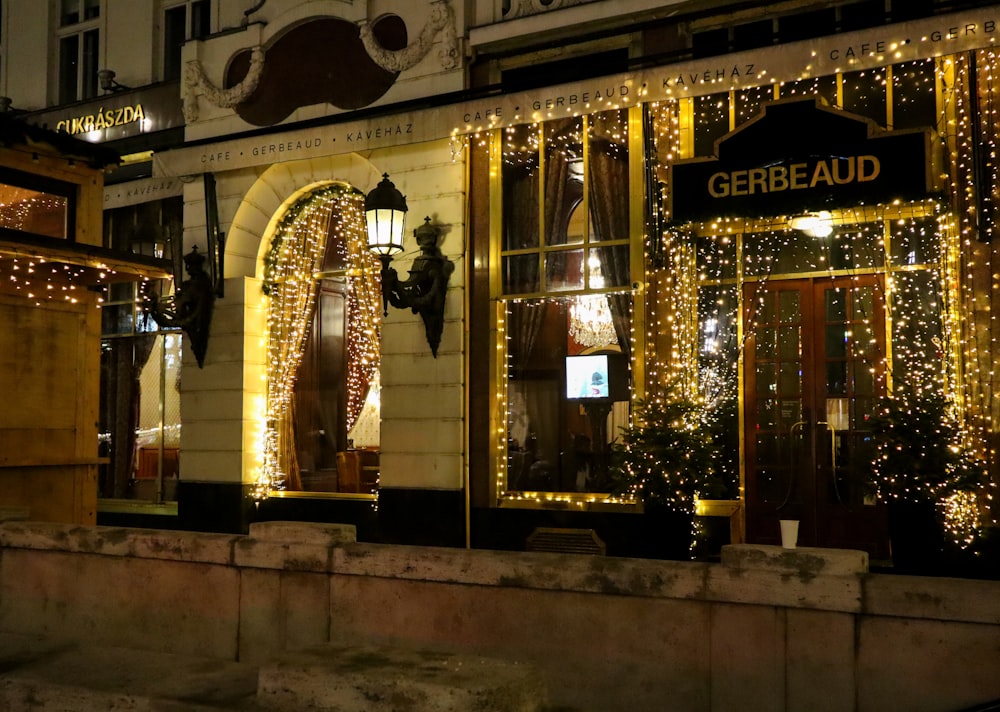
(52, 264)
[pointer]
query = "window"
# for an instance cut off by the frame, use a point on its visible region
(37, 206)
(140, 369)
(565, 264)
(79, 49)
(187, 21)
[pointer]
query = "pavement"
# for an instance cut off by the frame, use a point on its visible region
(38, 674)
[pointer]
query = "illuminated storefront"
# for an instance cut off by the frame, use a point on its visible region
(784, 256)
(783, 236)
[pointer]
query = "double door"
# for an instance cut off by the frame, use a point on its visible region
(813, 373)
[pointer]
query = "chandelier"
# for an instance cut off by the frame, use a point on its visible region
(590, 322)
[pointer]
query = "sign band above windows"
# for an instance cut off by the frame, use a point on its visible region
(851, 51)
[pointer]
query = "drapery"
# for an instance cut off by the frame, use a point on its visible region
(609, 209)
(329, 216)
(294, 257)
(121, 366)
(520, 208)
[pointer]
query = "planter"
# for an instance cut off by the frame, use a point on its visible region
(916, 538)
(666, 533)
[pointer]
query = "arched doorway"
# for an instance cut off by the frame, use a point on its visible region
(322, 333)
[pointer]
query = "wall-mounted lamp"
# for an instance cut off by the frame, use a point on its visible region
(106, 78)
(425, 289)
(190, 307)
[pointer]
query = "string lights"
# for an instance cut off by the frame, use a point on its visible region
(918, 278)
(333, 213)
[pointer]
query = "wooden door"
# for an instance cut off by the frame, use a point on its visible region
(814, 369)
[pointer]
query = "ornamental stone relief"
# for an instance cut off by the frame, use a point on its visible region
(326, 59)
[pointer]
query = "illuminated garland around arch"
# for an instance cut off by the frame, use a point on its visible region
(296, 254)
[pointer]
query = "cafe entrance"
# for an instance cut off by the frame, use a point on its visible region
(809, 326)
(814, 369)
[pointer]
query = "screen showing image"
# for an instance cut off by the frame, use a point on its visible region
(587, 376)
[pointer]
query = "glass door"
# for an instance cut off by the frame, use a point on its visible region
(814, 369)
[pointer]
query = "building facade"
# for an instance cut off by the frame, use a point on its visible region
(781, 214)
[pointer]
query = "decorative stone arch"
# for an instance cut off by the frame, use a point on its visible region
(274, 192)
(249, 238)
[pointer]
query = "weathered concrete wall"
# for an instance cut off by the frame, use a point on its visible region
(767, 629)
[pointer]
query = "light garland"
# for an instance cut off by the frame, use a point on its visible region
(936, 281)
(296, 254)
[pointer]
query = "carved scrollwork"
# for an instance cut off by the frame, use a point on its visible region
(442, 20)
(197, 83)
(525, 8)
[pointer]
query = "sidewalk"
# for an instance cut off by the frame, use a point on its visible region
(37, 674)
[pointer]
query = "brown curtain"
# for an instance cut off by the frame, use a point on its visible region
(121, 367)
(609, 212)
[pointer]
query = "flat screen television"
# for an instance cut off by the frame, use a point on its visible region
(596, 377)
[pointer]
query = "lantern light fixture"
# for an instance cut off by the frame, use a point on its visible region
(424, 291)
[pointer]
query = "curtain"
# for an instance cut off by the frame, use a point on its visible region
(121, 367)
(609, 210)
(364, 302)
(334, 216)
(563, 146)
(294, 257)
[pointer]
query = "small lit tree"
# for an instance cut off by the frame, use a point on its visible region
(919, 450)
(922, 458)
(669, 457)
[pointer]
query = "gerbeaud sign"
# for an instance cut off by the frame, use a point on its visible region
(800, 155)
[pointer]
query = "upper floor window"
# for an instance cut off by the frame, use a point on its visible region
(76, 11)
(188, 20)
(79, 48)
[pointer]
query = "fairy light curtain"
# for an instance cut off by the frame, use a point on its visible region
(977, 196)
(296, 254)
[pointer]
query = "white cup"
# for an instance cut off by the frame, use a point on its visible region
(789, 533)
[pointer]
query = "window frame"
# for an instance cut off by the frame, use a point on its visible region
(167, 59)
(20, 179)
(501, 296)
(85, 84)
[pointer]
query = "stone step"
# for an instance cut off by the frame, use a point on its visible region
(371, 678)
(37, 674)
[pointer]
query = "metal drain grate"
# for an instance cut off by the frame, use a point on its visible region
(566, 541)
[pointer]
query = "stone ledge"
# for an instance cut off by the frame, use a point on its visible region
(804, 562)
(169, 545)
(315, 533)
(292, 546)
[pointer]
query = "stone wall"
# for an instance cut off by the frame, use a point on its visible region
(767, 629)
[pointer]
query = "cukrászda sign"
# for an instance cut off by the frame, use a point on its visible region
(798, 156)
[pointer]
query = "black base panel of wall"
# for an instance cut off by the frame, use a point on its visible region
(138, 520)
(403, 516)
(663, 536)
(422, 517)
(220, 507)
